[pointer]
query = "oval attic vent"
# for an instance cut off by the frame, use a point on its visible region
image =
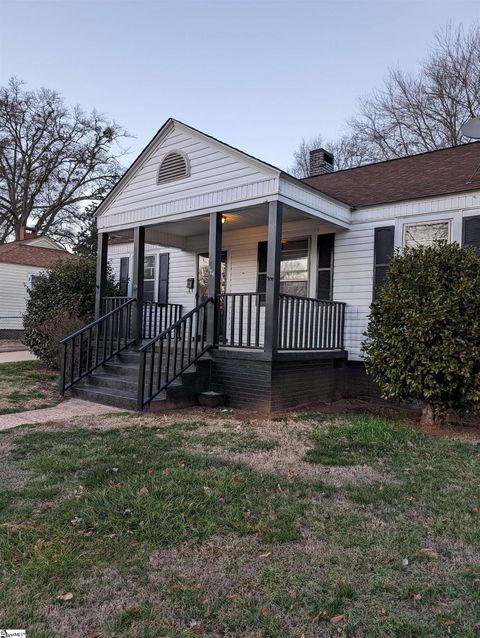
(174, 166)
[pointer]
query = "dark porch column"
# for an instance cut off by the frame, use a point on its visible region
(138, 274)
(101, 280)
(214, 271)
(275, 215)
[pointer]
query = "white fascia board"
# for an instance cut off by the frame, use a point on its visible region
(143, 217)
(315, 204)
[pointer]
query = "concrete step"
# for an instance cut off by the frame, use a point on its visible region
(115, 383)
(115, 367)
(105, 396)
(105, 380)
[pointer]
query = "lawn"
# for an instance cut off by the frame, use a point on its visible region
(27, 385)
(311, 525)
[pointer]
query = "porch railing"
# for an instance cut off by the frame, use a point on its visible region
(93, 345)
(240, 319)
(306, 323)
(170, 353)
(156, 317)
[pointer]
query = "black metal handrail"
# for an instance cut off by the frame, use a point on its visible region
(93, 345)
(158, 317)
(168, 355)
(111, 303)
(306, 323)
(240, 319)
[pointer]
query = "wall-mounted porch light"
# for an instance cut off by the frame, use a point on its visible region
(224, 219)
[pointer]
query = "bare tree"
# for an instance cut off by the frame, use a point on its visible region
(421, 112)
(52, 160)
(415, 112)
(347, 152)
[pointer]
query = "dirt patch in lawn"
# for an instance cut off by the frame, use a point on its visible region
(288, 457)
(271, 446)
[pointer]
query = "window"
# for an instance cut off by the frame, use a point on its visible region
(174, 166)
(124, 268)
(471, 232)
(293, 268)
(33, 277)
(149, 278)
(325, 266)
(383, 251)
(163, 267)
(262, 269)
(426, 234)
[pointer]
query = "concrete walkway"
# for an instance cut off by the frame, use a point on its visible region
(16, 355)
(65, 410)
(12, 346)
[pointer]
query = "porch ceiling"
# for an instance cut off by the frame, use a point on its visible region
(173, 233)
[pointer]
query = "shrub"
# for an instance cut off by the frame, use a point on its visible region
(423, 337)
(59, 303)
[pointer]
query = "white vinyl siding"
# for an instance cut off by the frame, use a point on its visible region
(353, 255)
(211, 169)
(14, 281)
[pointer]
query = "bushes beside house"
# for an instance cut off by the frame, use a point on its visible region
(59, 303)
(423, 338)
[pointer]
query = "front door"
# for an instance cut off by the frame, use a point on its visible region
(202, 286)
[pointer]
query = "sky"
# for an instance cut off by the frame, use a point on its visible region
(259, 75)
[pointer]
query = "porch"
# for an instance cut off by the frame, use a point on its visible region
(223, 328)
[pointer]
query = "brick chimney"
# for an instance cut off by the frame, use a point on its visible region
(27, 233)
(321, 162)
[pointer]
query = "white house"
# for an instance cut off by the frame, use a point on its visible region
(20, 262)
(290, 265)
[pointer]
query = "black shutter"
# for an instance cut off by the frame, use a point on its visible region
(384, 238)
(471, 232)
(124, 267)
(163, 267)
(325, 266)
(262, 269)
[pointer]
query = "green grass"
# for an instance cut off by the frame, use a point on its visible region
(26, 385)
(136, 486)
(154, 538)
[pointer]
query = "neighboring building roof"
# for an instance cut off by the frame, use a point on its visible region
(44, 242)
(24, 254)
(443, 172)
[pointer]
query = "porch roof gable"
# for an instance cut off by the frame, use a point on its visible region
(239, 178)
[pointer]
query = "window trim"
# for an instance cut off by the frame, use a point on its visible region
(407, 225)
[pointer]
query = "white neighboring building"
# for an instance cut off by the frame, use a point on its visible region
(20, 263)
